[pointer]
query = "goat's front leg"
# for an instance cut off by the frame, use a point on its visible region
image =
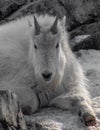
(85, 111)
(31, 105)
(76, 103)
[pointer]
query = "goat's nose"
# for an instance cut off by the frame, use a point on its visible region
(47, 75)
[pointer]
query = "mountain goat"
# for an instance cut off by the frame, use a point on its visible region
(37, 64)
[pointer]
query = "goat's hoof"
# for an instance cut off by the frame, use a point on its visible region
(89, 119)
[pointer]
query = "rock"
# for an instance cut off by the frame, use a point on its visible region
(7, 7)
(11, 117)
(86, 29)
(86, 42)
(78, 43)
(81, 11)
(55, 119)
(48, 125)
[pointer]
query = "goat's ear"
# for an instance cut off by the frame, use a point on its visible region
(63, 21)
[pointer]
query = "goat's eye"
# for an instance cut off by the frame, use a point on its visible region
(35, 46)
(57, 45)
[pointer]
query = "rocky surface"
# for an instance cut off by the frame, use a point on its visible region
(86, 42)
(11, 117)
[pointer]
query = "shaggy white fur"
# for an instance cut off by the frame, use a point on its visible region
(21, 66)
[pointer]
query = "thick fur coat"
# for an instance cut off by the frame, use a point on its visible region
(24, 55)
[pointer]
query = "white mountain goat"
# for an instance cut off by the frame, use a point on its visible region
(37, 64)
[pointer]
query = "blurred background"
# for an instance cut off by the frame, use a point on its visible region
(83, 17)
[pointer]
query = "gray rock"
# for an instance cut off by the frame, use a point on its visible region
(7, 7)
(81, 11)
(86, 42)
(48, 125)
(11, 117)
(86, 29)
(55, 119)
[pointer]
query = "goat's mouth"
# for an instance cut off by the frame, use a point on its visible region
(47, 79)
(47, 76)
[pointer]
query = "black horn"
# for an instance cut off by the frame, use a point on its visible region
(36, 26)
(54, 26)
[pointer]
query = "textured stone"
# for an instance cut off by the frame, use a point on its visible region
(86, 29)
(7, 7)
(81, 11)
(86, 42)
(11, 117)
(48, 125)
